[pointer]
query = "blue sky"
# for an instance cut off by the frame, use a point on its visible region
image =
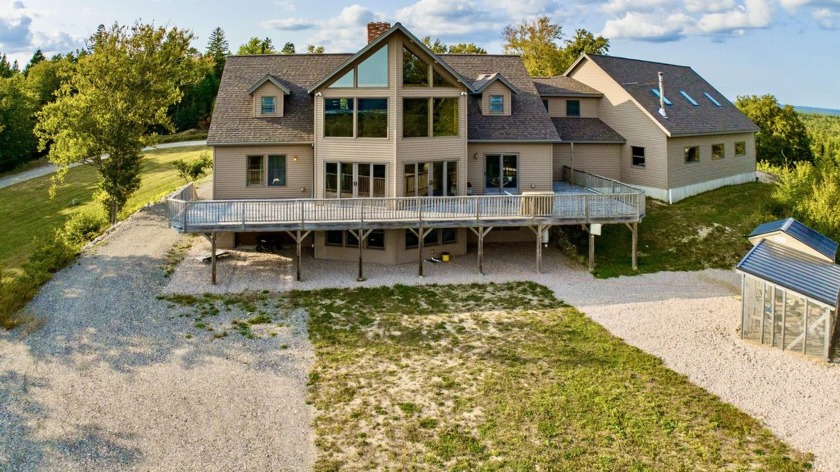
(790, 48)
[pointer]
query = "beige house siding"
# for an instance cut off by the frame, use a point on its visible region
(618, 110)
(230, 168)
(377, 256)
(534, 162)
(600, 159)
(405, 256)
(225, 241)
(682, 174)
(496, 88)
(268, 89)
(588, 107)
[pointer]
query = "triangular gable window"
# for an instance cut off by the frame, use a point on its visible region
(373, 71)
(438, 80)
(415, 71)
(346, 81)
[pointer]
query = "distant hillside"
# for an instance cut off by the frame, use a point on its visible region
(821, 111)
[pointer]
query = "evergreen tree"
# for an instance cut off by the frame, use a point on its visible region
(288, 48)
(218, 50)
(37, 58)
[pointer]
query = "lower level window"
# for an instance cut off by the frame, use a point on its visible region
(740, 148)
(436, 237)
(638, 154)
(375, 240)
(718, 152)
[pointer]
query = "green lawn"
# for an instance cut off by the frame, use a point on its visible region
(506, 377)
(704, 231)
(28, 212)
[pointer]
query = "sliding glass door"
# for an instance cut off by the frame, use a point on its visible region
(437, 179)
(354, 180)
(501, 173)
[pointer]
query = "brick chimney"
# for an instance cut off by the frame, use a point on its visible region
(376, 29)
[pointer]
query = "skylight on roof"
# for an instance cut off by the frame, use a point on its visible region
(717, 104)
(656, 92)
(688, 97)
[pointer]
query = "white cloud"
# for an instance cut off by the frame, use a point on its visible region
(648, 26)
(285, 5)
(15, 28)
(753, 14)
(290, 24)
(450, 17)
(345, 32)
(668, 20)
(826, 18)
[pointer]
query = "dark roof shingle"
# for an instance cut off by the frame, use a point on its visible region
(586, 130)
(562, 86)
(528, 121)
(684, 119)
(233, 117)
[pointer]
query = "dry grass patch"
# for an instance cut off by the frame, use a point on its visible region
(506, 377)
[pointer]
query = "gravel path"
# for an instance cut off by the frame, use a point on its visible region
(49, 168)
(111, 382)
(688, 319)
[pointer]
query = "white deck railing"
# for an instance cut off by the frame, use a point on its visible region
(586, 206)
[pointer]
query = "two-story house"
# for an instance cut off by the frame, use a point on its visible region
(395, 153)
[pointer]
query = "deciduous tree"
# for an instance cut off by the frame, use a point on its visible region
(111, 99)
(257, 46)
(313, 49)
(17, 107)
(439, 47)
(782, 138)
(544, 50)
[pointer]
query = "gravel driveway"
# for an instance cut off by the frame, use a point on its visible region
(689, 319)
(112, 383)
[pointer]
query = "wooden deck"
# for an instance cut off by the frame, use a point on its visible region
(605, 202)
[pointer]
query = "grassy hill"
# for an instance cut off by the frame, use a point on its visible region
(704, 231)
(29, 212)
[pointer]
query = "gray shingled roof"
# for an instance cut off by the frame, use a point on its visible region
(562, 86)
(813, 277)
(529, 121)
(807, 236)
(586, 130)
(233, 117)
(684, 119)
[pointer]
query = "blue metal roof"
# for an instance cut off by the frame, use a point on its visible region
(813, 239)
(813, 277)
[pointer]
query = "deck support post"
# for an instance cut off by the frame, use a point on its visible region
(634, 232)
(361, 235)
(481, 232)
(298, 236)
(421, 234)
(213, 257)
(591, 251)
(539, 230)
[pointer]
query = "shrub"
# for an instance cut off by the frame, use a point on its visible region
(195, 169)
(84, 226)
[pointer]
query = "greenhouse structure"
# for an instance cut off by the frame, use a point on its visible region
(790, 287)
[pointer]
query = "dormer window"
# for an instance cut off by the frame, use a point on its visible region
(269, 106)
(497, 104)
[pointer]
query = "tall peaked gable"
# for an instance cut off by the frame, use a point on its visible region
(378, 42)
(693, 106)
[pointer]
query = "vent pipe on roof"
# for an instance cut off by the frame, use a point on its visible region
(662, 96)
